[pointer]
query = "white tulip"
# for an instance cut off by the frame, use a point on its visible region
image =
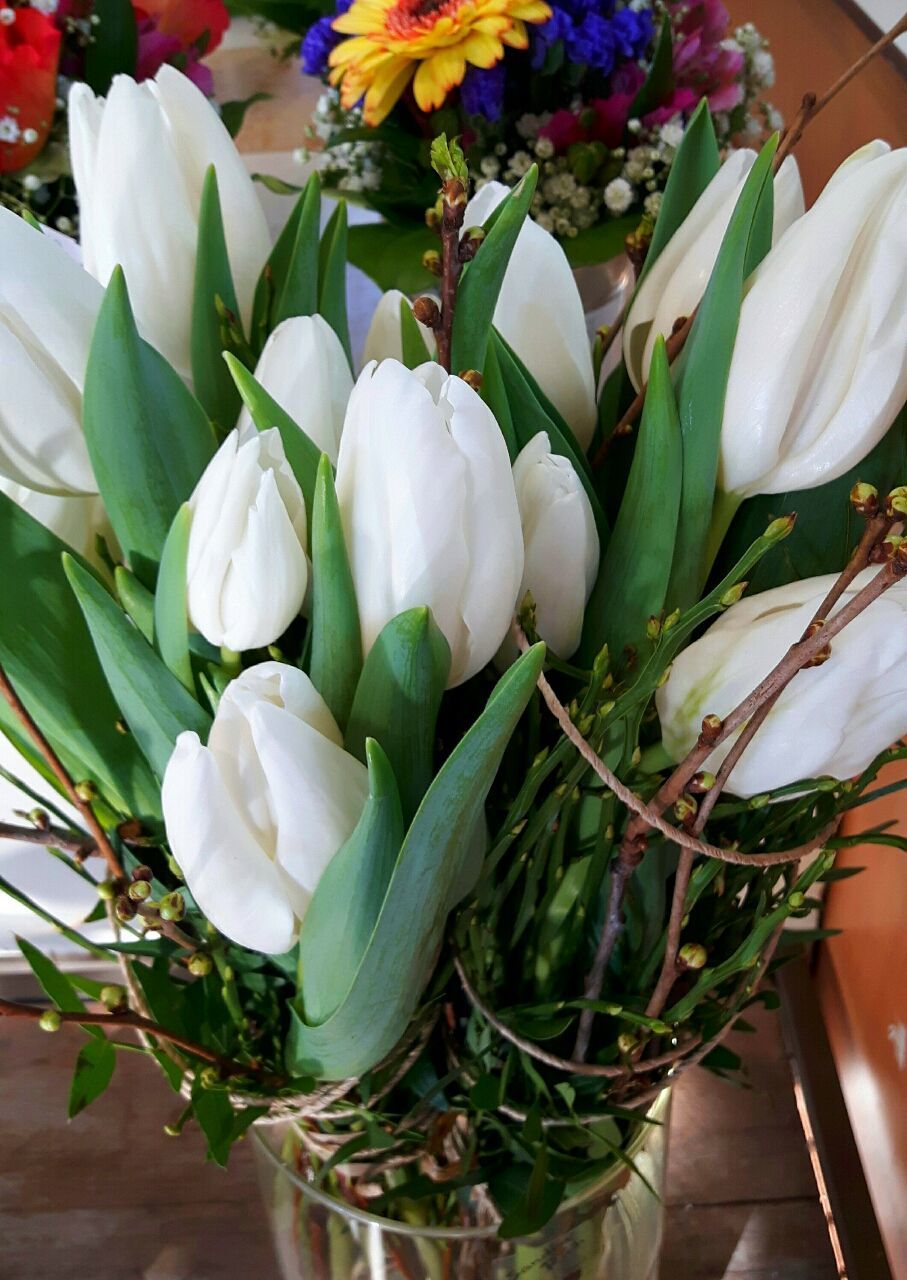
(254, 817)
(429, 509)
(48, 307)
(246, 570)
(830, 720)
(304, 368)
(561, 541)
(540, 314)
(77, 521)
(819, 370)
(674, 285)
(139, 160)
(384, 340)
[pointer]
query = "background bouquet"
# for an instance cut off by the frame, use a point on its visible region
(47, 45)
(459, 740)
(597, 92)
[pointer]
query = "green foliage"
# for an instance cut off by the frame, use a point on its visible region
(288, 285)
(171, 620)
(391, 256)
(114, 44)
(233, 113)
(148, 438)
(696, 163)
(448, 160)
(336, 642)
(214, 308)
(659, 83)
(332, 258)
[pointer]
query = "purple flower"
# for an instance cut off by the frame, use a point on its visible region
(558, 27)
(482, 91)
(632, 32)
(592, 43)
(320, 39)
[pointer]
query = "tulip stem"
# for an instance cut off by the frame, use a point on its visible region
(73, 793)
(231, 661)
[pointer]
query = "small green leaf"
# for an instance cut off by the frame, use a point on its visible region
(695, 165)
(113, 48)
(171, 620)
(302, 455)
(481, 282)
(289, 281)
(214, 1112)
(415, 351)
(398, 698)
(155, 705)
(233, 113)
(148, 438)
(636, 567)
(336, 653)
(94, 1071)
(55, 985)
(659, 83)
(215, 389)
(703, 384)
(448, 160)
(332, 259)
(397, 963)
(137, 600)
(341, 917)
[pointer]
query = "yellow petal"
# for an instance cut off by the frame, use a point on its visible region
(386, 88)
(483, 50)
(437, 76)
(516, 37)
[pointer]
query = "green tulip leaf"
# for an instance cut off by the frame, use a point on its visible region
(415, 351)
(302, 454)
(659, 83)
(636, 567)
(481, 281)
(332, 259)
(137, 600)
(336, 641)
(114, 44)
(215, 389)
(397, 962)
(342, 914)
(703, 382)
(47, 653)
(171, 619)
(494, 393)
(148, 438)
(288, 285)
(155, 705)
(398, 698)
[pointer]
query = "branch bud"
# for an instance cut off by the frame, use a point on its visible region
(472, 378)
(796, 900)
(693, 955)
(732, 595)
(433, 216)
(86, 791)
(125, 910)
(209, 1077)
(139, 890)
(50, 1020)
(896, 502)
(39, 818)
(780, 528)
(113, 998)
(864, 498)
(626, 1043)
(701, 782)
(711, 727)
(200, 965)
(427, 312)
(107, 891)
(448, 160)
(685, 808)
(143, 873)
(172, 907)
(431, 261)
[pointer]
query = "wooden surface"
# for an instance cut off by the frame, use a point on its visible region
(109, 1197)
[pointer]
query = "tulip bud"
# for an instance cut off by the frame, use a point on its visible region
(830, 720)
(304, 368)
(540, 314)
(675, 283)
(246, 568)
(139, 160)
(385, 336)
(255, 816)
(818, 372)
(429, 509)
(48, 308)
(561, 542)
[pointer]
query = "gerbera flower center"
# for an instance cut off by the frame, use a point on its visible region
(408, 16)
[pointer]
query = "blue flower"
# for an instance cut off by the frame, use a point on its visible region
(558, 27)
(320, 39)
(482, 91)
(632, 32)
(592, 43)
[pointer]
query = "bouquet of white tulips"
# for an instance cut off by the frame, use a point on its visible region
(450, 744)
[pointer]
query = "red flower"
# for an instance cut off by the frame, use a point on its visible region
(187, 21)
(29, 53)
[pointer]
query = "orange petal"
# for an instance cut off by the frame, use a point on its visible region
(386, 88)
(437, 75)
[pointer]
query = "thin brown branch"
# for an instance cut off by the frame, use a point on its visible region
(126, 1018)
(812, 103)
(102, 843)
(55, 837)
(453, 209)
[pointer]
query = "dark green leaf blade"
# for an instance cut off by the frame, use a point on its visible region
(297, 291)
(341, 917)
(396, 965)
(148, 438)
(215, 389)
(398, 698)
(659, 83)
(481, 282)
(155, 705)
(114, 44)
(332, 260)
(695, 165)
(336, 652)
(94, 1071)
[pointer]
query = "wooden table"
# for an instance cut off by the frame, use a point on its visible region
(109, 1197)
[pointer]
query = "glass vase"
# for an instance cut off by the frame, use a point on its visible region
(612, 1230)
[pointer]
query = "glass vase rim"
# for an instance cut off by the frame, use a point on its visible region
(394, 1225)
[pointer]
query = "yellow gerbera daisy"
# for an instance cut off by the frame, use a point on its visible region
(426, 41)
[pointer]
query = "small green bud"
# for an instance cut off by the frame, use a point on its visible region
(702, 781)
(626, 1043)
(172, 1130)
(693, 955)
(586, 724)
(732, 595)
(864, 499)
(113, 997)
(780, 528)
(671, 620)
(86, 791)
(125, 909)
(139, 891)
(636, 757)
(50, 1020)
(896, 502)
(758, 802)
(431, 261)
(172, 907)
(685, 808)
(613, 1010)
(200, 965)
(653, 628)
(602, 661)
(121, 727)
(665, 676)
(209, 1077)
(275, 652)
(107, 891)
(796, 899)
(605, 709)
(174, 868)
(39, 818)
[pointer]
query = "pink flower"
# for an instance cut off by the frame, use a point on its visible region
(702, 66)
